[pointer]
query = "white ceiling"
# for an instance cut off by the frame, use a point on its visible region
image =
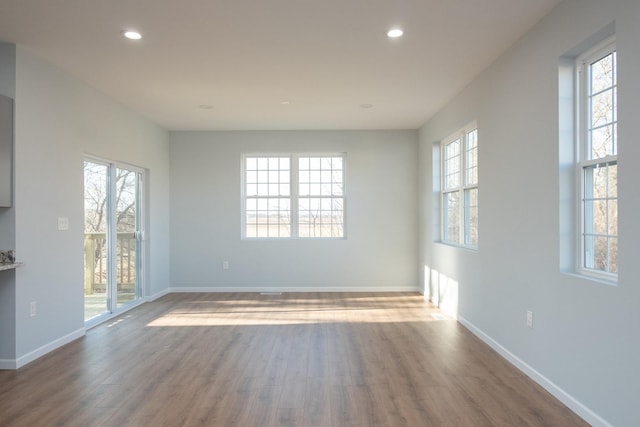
(245, 57)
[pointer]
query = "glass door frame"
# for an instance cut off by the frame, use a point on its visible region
(112, 238)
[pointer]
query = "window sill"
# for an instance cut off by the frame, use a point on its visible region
(603, 280)
(473, 249)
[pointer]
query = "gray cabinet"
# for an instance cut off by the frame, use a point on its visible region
(6, 151)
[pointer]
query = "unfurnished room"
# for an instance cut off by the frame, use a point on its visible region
(319, 213)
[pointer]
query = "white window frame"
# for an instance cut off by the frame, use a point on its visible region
(463, 189)
(294, 196)
(584, 162)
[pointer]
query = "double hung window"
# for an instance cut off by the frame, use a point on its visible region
(459, 187)
(598, 161)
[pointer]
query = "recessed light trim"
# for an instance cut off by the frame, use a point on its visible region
(394, 33)
(366, 106)
(205, 107)
(132, 35)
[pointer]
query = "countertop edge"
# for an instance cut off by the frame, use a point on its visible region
(10, 266)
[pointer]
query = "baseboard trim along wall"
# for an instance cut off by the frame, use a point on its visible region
(160, 294)
(585, 413)
(178, 289)
(8, 364)
(39, 352)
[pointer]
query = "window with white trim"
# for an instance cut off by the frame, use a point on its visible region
(293, 196)
(459, 187)
(597, 148)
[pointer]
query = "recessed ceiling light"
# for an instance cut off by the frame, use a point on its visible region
(285, 102)
(365, 106)
(394, 33)
(132, 35)
(205, 107)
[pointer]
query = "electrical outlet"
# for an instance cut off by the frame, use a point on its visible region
(225, 265)
(33, 309)
(529, 319)
(63, 223)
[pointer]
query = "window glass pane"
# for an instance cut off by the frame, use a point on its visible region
(612, 171)
(613, 255)
(602, 109)
(602, 142)
(599, 216)
(471, 217)
(612, 215)
(452, 217)
(600, 253)
(252, 163)
(598, 182)
(602, 74)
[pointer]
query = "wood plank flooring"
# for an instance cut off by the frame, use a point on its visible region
(297, 359)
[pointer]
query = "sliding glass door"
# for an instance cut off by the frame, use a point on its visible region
(113, 237)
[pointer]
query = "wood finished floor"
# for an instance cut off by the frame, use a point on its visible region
(312, 359)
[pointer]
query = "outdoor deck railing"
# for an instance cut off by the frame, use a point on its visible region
(95, 256)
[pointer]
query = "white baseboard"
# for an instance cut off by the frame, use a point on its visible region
(178, 289)
(8, 364)
(39, 352)
(581, 410)
(160, 294)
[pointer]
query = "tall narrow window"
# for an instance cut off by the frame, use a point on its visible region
(598, 161)
(459, 187)
(294, 196)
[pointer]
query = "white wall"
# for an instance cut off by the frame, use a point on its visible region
(381, 246)
(58, 120)
(585, 336)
